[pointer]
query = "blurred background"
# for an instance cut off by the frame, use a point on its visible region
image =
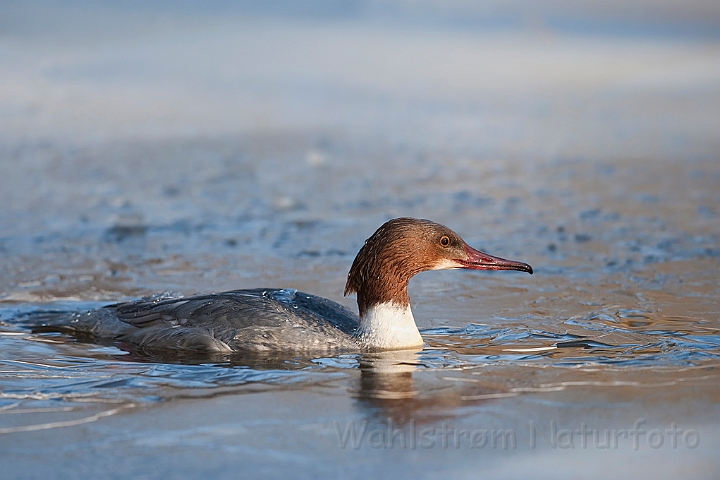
(218, 121)
(518, 77)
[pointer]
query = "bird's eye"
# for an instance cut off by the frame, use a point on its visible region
(444, 241)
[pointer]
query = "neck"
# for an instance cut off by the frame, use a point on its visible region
(388, 326)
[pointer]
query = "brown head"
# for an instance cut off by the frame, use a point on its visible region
(403, 247)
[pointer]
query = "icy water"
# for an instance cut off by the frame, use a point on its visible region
(146, 150)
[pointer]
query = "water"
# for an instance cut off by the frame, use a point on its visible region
(151, 150)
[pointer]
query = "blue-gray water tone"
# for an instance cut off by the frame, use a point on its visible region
(148, 147)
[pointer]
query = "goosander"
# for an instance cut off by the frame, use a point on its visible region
(272, 320)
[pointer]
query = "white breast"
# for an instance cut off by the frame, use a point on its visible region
(388, 327)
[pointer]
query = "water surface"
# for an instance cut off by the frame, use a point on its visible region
(243, 149)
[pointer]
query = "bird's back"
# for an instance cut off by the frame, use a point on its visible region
(240, 320)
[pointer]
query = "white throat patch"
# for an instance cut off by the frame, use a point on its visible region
(388, 327)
